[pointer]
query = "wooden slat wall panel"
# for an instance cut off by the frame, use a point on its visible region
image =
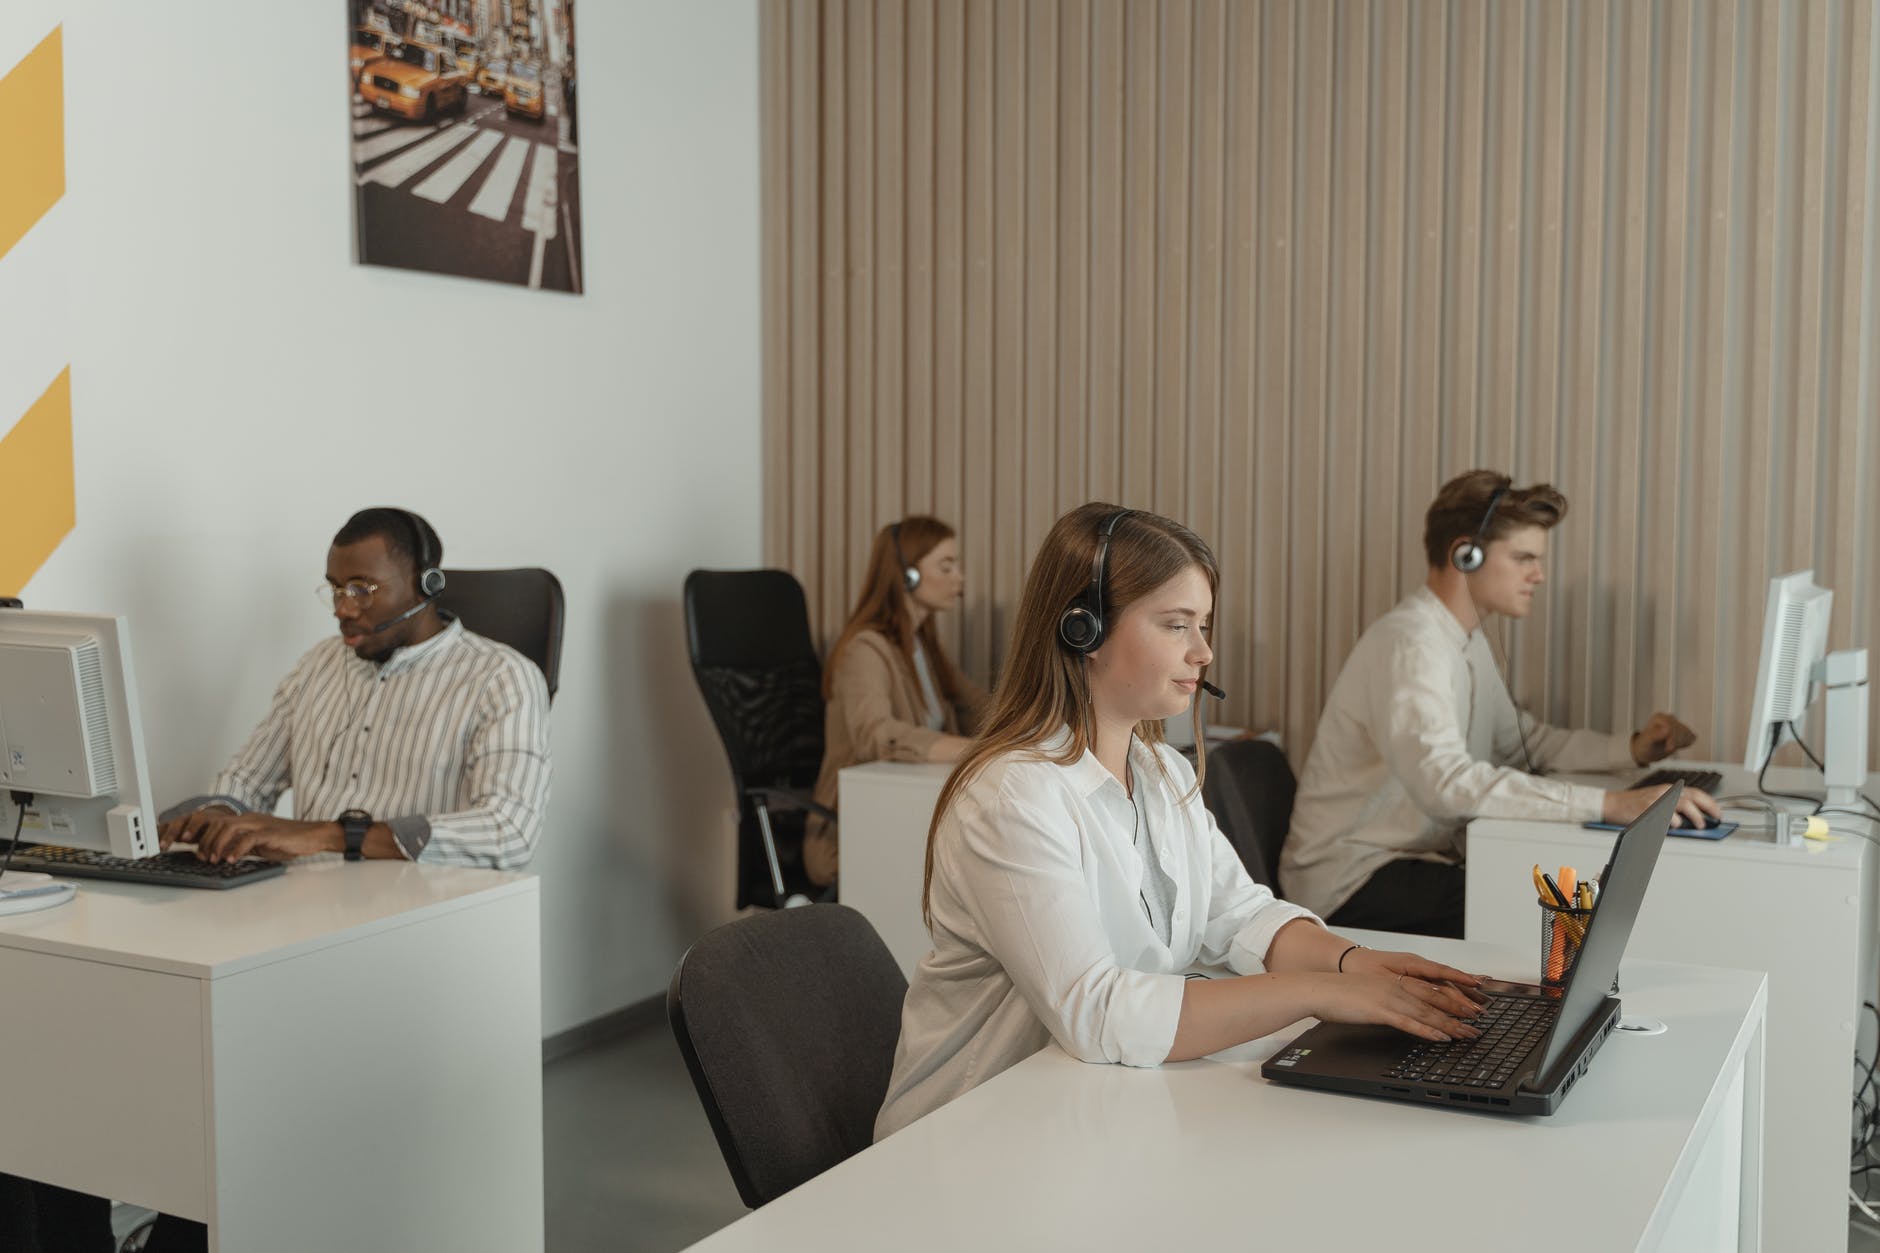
(1279, 268)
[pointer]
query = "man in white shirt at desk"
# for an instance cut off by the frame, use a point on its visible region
(1420, 735)
(402, 736)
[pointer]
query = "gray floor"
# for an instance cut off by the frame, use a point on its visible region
(630, 1160)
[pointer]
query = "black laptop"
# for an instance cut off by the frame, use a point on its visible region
(1536, 1041)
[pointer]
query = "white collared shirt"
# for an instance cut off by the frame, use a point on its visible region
(1419, 735)
(1039, 929)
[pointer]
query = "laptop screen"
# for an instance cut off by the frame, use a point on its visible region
(1622, 891)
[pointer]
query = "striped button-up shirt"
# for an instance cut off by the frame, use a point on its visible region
(446, 742)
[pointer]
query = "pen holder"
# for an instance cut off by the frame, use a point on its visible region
(1562, 931)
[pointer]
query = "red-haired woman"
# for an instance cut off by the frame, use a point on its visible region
(893, 693)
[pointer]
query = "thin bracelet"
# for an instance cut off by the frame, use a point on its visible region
(1343, 955)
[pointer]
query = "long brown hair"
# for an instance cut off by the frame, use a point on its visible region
(1045, 687)
(884, 604)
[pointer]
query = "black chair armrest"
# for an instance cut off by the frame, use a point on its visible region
(785, 798)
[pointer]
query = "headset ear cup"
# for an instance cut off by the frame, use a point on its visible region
(911, 576)
(1468, 558)
(431, 582)
(1080, 630)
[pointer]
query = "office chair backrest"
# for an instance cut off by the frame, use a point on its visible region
(521, 608)
(748, 634)
(1249, 790)
(788, 1022)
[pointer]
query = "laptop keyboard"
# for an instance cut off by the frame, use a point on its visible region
(1511, 1027)
(182, 870)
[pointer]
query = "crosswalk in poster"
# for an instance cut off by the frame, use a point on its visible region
(465, 149)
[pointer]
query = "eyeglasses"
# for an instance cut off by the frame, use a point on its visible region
(359, 593)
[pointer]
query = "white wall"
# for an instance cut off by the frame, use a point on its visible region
(240, 387)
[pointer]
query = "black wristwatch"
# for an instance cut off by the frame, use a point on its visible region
(355, 823)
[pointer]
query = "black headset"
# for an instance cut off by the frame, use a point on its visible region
(430, 578)
(910, 574)
(1470, 556)
(1468, 559)
(1080, 629)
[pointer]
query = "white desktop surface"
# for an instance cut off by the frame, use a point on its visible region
(319, 902)
(1805, 914)
(347, 1056)
(1658, 1147)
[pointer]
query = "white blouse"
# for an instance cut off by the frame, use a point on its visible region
(936, 716)
(1039, 927)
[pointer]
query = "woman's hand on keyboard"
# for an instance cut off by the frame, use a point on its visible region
(1406, 991)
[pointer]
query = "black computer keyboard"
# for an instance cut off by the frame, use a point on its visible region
(1511, 1026)
(1703, 780)
(177, 870)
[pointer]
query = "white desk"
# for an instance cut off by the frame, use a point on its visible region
(346, 1057)
(886, 807)
(1805, 915)
(1658, 1148)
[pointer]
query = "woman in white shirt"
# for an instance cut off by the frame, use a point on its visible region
(1073, 874)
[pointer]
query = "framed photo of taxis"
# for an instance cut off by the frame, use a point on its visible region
(465, 146)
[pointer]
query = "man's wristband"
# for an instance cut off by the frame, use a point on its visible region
(1345, 954)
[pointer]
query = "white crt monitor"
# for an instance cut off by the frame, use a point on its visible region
(1794, 648)
(70, 733)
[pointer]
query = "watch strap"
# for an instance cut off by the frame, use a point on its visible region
(355, 823)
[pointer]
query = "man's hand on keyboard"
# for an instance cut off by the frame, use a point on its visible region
(191, 828)
(1695, 808)
(269, 838)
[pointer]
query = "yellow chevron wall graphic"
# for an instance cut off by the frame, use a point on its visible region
(37, 509)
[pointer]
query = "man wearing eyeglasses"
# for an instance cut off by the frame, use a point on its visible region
(404, 735)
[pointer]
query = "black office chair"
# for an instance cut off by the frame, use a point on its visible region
(521, 608)
(788, 1023)
(1249, 790)
(748, 635)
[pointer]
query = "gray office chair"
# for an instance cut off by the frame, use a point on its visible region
(521, 608)
(1249, 790)
(788, 1021)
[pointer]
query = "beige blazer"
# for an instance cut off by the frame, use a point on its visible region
(876, 713)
